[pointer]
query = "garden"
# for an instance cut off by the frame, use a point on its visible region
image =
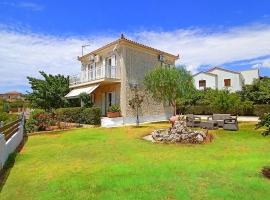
(116, 163)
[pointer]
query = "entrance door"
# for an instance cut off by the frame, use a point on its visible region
(110, 100)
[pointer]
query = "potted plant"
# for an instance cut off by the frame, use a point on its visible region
(114, 111)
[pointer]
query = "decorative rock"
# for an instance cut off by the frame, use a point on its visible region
(179, 132)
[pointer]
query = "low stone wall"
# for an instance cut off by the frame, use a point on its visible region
(9, 146)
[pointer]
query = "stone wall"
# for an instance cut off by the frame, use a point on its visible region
(136, 65)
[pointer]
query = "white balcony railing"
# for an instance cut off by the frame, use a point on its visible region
(97, 73)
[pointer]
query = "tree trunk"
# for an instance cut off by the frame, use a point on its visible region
(174, 108)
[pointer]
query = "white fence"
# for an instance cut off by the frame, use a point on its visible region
(10, 138)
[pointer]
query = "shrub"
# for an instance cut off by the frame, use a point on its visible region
(197, 110)
(91, 116)
(86, 99)
(6, 118)
(5, 107)
(114, 108)
(68, 114)
(264, 122)
(226, 102)
(246, 108)
(79, 115)
(260, 110)
(39, 120)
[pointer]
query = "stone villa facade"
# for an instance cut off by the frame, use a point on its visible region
(107, 74)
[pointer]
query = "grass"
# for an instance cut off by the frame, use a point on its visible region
(116, 163)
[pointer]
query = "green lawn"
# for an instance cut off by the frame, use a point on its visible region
(116, 163)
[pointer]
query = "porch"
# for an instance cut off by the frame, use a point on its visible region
(103, 95)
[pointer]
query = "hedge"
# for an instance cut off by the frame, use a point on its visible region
(244, 110)
(41, 120)
(260, 110)
(79, 115)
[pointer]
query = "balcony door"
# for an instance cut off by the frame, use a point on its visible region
(92, 72)
(110, 67)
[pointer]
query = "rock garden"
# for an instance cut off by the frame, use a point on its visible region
(180, 133)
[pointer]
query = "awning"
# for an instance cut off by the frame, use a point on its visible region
(76, 92)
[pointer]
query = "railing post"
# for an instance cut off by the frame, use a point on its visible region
(2, 150)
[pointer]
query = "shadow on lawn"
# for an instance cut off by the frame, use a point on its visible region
(4, 173)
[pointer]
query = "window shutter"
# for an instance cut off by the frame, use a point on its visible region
(113, 60)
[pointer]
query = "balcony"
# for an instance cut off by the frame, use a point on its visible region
(98, 73)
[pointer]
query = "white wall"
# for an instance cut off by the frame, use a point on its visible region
(250, 75)
(236, 82)
(211, 80)
(8, 147)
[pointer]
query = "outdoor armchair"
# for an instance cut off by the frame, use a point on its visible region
(193, 121)
(231, 124)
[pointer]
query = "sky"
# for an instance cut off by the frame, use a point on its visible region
(48, 35)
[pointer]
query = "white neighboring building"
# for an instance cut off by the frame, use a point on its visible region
(219, 78)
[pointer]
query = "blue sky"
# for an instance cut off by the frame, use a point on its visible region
(47, 35)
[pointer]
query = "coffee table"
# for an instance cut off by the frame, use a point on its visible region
(209, 124)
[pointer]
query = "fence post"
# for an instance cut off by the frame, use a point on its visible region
(2, 150)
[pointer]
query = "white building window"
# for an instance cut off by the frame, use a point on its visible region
(202, 83)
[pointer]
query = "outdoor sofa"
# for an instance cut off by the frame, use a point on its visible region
(219, 118)
(226, 121)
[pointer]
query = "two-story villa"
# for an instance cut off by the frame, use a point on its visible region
(107, 74)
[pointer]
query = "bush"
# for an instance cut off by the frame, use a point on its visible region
(197, 110)
(39, 120)
(79, 115)
(86, 99)
(91, 116)
(114, 108)
(260, 110)
(264, 122)
(246, 108)
(6, 118)
(68, 114)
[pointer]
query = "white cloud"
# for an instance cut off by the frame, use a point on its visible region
(24, 4)
(24, 54)
(198, 47)
(262, 63)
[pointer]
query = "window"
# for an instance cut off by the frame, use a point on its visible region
(202, 83)
(227, 82)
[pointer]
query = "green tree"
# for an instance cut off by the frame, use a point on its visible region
(169, 84)
(258, 92)
(48, 93)
(86, 100)
(225, 102)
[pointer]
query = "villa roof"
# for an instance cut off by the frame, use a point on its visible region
(205, 73)
(13, 93)
(122, 39)
(219, 68)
